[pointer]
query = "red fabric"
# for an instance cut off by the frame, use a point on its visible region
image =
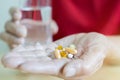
(75, 16)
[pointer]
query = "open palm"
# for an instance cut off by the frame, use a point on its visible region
(91, 49)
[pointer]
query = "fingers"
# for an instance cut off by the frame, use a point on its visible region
(12, 60)
(52, 67)
(14, 34)
(32, 22)
(54, 27)
(73, 68)
(53, 24)
(16, 58)
(94, 39)
(80, 68)
(13, 26)
(94, 43)
(10, 39)
(16, 30)
(95, 52)
(15, 13)
(94, 46)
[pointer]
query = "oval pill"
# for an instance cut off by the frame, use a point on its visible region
(57, 54)
(71, 50)
(59, 47)
(63, 54)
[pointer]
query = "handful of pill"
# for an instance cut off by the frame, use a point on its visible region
(67, 52)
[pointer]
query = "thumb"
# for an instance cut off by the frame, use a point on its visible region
(48, 67)
(72, 68)
(15, 13)
(13, 26)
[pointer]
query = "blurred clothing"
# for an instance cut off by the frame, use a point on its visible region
(75, 16)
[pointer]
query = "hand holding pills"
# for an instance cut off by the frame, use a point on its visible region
(69, 58)
(67, 52)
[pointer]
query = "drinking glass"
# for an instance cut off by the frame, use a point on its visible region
(39, 11)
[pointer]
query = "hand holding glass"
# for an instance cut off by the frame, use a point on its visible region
(39, 11)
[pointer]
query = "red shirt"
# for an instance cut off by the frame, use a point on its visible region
(75, 16)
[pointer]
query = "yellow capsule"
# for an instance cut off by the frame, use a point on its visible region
(71, 50)
(57, 54)
(63, 54)
(59, 47)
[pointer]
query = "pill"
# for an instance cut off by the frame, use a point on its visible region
(63, 49)
(59, 47)
(63, 54)
(72, 46)
(70, 56)
(57, 54)
(71, 50)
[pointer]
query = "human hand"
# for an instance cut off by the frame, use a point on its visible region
(91, 49)
(16, 29)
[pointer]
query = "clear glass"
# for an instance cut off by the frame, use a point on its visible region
(38, 10)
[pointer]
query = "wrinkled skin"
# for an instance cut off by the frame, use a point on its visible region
(91, 53)
(91, 47)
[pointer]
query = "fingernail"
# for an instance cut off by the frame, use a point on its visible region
(70, 72)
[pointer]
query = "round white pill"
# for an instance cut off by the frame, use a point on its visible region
(70, 56)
